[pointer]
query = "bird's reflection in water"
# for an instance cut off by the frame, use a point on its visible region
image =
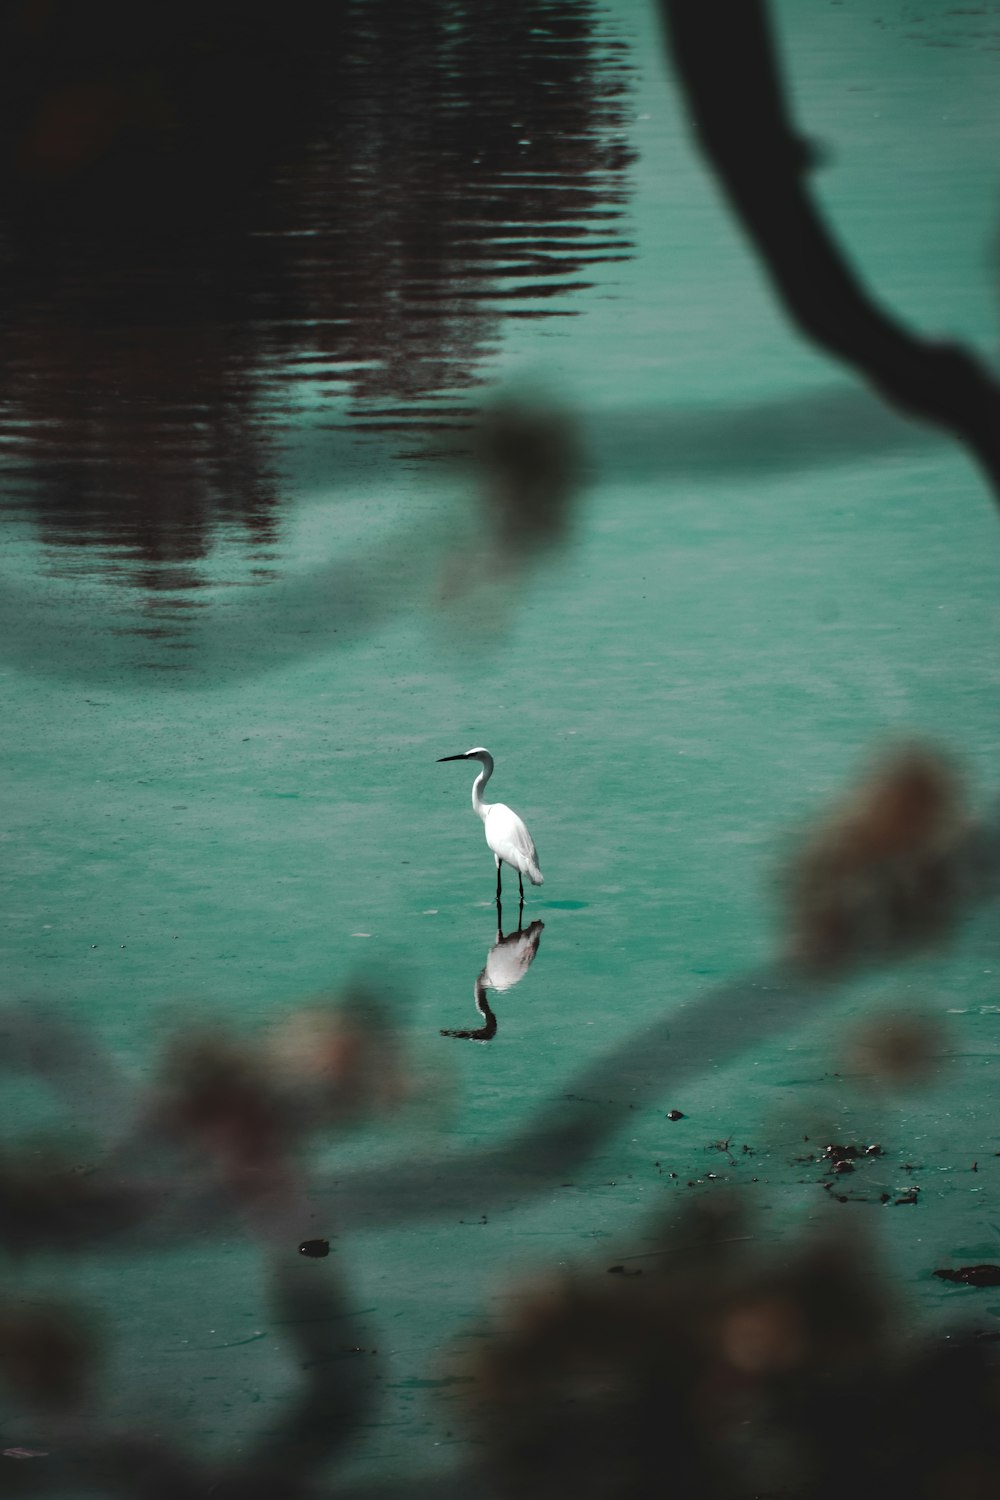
(506, 965)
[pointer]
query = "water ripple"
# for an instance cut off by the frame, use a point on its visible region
(203, 246)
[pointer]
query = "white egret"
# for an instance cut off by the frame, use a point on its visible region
(506, 835)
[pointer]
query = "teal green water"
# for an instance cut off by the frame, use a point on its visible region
(769, 577)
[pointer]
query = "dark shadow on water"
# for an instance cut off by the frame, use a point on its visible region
(785, 434)
(201, 242)
(50, 628)
(204, 251)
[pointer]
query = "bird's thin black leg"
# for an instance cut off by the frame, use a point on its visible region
(498, 882)
(520, 909)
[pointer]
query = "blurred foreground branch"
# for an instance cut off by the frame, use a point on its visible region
(725, 59)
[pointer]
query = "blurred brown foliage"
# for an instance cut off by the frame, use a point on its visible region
(897, 1049)
(246, 1104)
(726, 1372)
(882, 875)
(46, 1353)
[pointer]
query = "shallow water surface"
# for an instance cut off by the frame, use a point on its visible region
(250, 596)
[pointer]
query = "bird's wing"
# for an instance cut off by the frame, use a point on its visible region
(507, 834)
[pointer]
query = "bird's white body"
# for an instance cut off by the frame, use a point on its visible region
(510, 840)
(506, 834)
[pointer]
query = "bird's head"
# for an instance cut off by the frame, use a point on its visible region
(476, 753)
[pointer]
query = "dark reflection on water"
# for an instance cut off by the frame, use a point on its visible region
(506, 965)
(217, 218)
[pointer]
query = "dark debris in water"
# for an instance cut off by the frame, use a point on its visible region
(315, 1249)
(984, 1275)
(841, 1157)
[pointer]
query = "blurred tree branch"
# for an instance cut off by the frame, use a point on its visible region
(725, 60)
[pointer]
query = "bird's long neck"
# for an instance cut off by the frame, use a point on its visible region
(478, 785)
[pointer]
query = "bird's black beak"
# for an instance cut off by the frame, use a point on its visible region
(450, 757)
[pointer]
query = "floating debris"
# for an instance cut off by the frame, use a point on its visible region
(843, 1157)
(984, 1275)
(316, 1249)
